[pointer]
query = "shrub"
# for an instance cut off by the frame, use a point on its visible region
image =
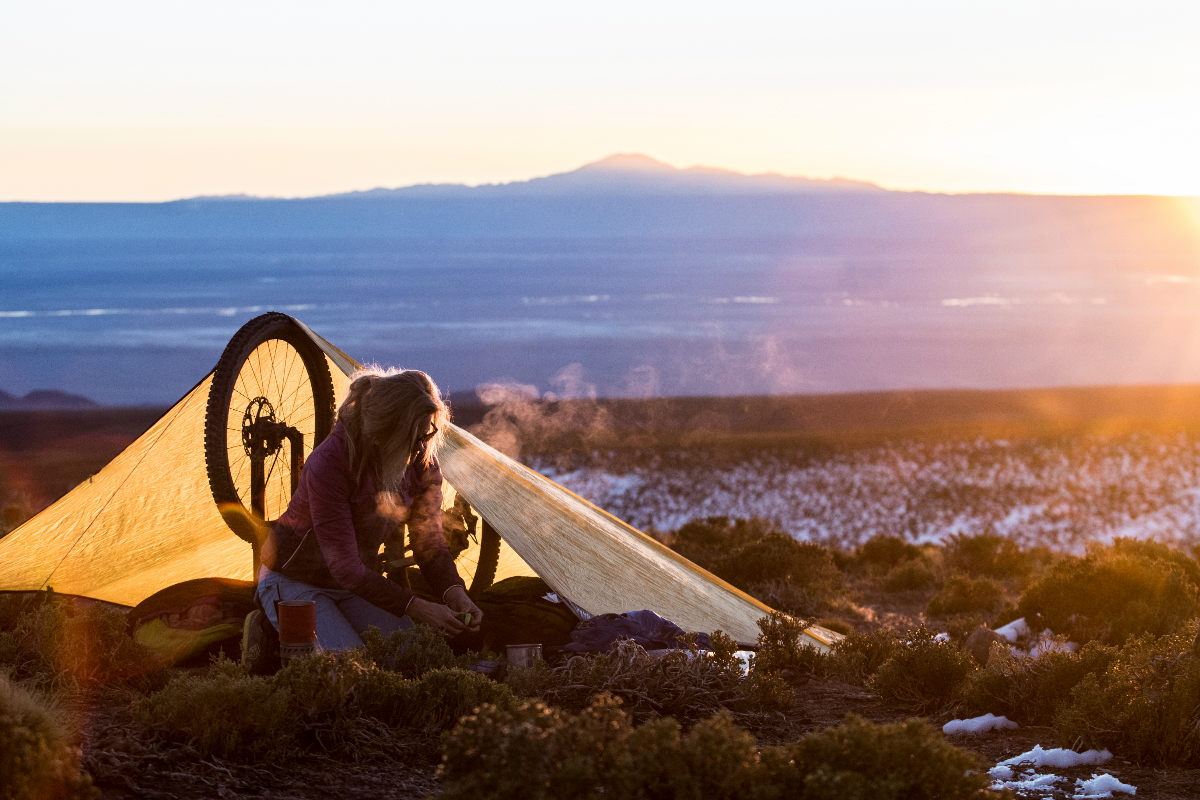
(836, 625)
(537, 752)
(14, 513)
(227, 713)
(12, 605)
(328, 701)
(37, 758)
(923, 672)
(778, 558)
(1031, 690)
(1114, 593)
(987, 554)
(10, 650)
(531, 682)
(909, 760)
(713, 759)
(437, 700)
(914, 574)
(411, 653)
(962, 595)
(1157, 551)
(959, 627)
(780, 647)
(886, 551)
(1143, 705)
(791, 598)
(65, 645)
(768, 691)
(797, 577)
(860, 655)
(531, 751)
(704, 541)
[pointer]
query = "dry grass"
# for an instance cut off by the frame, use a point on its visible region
(678, 683)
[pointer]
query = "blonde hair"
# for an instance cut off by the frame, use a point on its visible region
(385, 413)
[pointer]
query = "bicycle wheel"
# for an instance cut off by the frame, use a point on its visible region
(489, 558)
(270, 403)
(462, 527)
(473, 543)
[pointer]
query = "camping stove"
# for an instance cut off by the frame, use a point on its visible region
(297, 629)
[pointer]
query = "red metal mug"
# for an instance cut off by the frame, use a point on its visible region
(297, 628)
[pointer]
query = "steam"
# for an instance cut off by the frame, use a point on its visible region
(521, 417)
(643, 381)
(571, 385)
(506, 390)
(760, 365)
(570, 415)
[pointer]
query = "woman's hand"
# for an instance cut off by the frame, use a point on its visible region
(457, 597)
(436, 616)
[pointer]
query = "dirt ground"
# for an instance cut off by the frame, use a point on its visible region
(126, 762)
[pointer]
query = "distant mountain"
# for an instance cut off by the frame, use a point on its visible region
(623, 197)
(40, 399)
(627, 174)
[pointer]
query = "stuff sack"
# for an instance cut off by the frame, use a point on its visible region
(523, 610)
(190, 621)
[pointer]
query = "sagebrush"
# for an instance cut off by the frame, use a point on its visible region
(924, 671)
(781, 648)
(61, 644)
(333, 701)
(1031, 689)
(541, 753)
(910, 575)
(38, 759)
(988, 554)
(962, 594)
(1144, 704)
(1115, 593)
(860, 655)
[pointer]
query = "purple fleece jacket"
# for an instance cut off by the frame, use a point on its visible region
(331, 532)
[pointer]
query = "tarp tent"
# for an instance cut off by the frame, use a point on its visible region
(153, 517)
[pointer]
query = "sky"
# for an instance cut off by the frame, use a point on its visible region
(146, 101)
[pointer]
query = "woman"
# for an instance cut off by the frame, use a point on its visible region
(376, 470)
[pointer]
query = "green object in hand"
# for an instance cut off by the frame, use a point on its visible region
(465, 618)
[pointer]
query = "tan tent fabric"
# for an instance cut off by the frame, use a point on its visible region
(587, 555)
(148, 521)
(144, 522)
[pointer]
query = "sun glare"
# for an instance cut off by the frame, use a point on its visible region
(1191, 210)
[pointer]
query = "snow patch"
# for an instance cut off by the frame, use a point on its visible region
(1002, 773)
(1028, 782)
(1058, 757)
(1101, 786)
(1017, 629)
(978, 725)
